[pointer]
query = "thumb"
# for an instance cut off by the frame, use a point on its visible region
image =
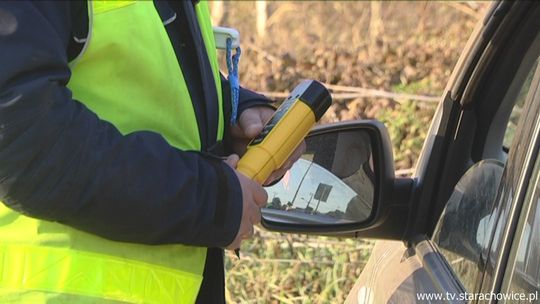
(232, 160)
(251, 123)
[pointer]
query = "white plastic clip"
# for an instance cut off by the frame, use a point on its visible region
(222, 33)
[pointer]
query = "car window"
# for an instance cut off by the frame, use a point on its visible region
(517, 110)
(523, 273)
(465, 227)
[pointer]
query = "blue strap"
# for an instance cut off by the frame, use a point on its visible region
(234, 82)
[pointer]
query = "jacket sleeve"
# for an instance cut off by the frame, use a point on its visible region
(246, 98)
(60, 162)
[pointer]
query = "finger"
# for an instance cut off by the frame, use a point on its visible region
(255, 216)
(249, 234)
(237, 132)
(297, 153)
(235, 243)
(276, 175)
(266, 113)
(251, 123)
(259, 194)
(232, 160)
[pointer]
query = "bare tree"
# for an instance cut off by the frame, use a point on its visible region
(375, 22)
(262, 17)
(217, 9)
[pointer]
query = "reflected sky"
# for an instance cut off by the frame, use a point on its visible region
(306, 177)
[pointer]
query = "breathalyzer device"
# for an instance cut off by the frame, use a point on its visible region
(285, 130)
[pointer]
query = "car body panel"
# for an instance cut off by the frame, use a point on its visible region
(397, 272)
(409, 274)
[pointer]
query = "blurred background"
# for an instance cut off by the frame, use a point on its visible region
(382, 60)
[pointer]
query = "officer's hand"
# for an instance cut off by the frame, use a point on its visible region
(254, 198)
(249, 125)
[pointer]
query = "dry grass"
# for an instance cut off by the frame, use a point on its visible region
(282, 268)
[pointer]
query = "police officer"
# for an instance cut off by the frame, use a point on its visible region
(112, 114)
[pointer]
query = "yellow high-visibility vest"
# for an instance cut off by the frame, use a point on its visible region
(128, 74)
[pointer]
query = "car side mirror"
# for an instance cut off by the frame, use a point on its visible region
(337, 183)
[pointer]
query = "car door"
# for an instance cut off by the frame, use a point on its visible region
(520, 267)
(448, 262)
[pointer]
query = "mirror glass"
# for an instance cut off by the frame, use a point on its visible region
(332, 183)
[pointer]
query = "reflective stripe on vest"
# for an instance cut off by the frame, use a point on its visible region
(135, 86)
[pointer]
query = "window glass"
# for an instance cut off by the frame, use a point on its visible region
(467, 222)
(525, 272)
(516, 111)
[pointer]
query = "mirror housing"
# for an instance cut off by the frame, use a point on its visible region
(389, 211)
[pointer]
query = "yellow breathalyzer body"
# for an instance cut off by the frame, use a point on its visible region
(285, 130)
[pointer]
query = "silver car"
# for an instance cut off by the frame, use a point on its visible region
(466, 226)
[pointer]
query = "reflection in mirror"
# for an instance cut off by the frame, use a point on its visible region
(333, 182)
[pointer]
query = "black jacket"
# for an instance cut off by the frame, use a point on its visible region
(60, 162)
